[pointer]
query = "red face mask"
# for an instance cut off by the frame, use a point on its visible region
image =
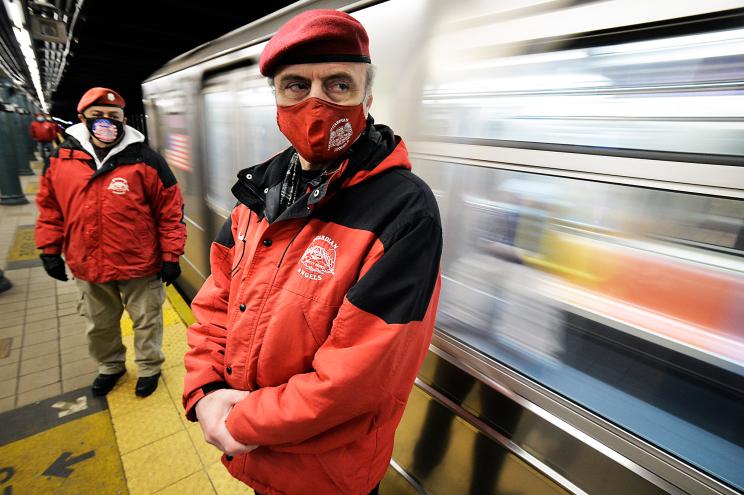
(319, 130)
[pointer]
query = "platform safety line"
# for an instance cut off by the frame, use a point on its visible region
(179, 305)
(24, 246)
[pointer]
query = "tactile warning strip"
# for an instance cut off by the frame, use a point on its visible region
(23, 252)
(161, 451)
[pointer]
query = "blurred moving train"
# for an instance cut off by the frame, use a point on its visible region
(587, 157)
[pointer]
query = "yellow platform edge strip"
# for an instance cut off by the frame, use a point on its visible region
(24, 246)
(179, 305)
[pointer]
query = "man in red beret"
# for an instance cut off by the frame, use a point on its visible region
(111, 205)
(324, 282)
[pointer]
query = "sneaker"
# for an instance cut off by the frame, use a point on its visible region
(104, 383)
(146, 385)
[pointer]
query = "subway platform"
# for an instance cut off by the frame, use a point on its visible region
(55, 437)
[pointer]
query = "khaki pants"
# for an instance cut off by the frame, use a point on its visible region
(103, 304)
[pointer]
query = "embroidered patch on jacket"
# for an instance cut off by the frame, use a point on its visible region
(341, 132)
(118, 186)
(319, 258)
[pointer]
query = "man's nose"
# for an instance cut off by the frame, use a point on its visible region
(316, 90)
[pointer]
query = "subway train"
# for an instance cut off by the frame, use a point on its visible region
(588, 162)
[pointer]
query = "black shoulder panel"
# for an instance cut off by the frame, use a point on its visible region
(55, 154)
(225, 236)
(154, 160)
(400, 209)
(399, 286)
(381, 204)
(68, 143)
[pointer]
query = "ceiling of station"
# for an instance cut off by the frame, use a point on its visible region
(111, 44)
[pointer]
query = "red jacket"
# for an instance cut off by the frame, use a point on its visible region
(116, 222)
(324, 312)
(43, 131)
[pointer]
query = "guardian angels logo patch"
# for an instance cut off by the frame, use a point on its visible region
(341, 132)
(319, 259)
(118, 186)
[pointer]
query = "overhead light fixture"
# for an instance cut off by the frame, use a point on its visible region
(17, 17)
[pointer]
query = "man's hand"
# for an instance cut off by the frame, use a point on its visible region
(54, 266)
(170, 272)
(212, 411)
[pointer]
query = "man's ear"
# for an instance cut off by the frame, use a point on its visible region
(81, 117)
(367, 104)
(125, 121)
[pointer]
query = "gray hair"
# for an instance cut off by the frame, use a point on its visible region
(371, 70)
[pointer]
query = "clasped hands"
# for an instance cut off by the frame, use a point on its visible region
(212, 411)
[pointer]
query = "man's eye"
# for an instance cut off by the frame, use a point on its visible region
(297, 87)
(341, 87)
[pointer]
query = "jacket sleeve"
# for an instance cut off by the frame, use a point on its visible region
(49, 231)
(366, 368)
(205, 359)
(167, 204)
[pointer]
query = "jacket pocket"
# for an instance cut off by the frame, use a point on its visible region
(295, 329)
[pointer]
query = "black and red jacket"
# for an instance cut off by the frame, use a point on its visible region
(324, 312)
(116, 220)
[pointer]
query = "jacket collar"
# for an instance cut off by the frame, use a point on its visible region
(82, 136)
(377, 150)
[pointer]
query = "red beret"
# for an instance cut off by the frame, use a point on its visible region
(100, 96)
(316, 36)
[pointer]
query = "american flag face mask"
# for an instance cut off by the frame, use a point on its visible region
(105, 130)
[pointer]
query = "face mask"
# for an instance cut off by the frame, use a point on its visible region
(40, 119)
(321, 131)
(105, 130)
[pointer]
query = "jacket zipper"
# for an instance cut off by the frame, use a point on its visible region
(100, 229)
(263, 303)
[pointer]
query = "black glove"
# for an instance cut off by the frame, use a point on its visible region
(54, 266)
(170, 272)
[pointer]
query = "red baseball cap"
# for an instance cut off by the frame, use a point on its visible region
(321, 35)
(100, 96)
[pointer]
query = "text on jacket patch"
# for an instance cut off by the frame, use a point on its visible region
(118, 186)
(319, 258)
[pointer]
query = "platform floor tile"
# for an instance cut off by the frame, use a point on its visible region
(152, 431)
(195, 484)
(160, 464)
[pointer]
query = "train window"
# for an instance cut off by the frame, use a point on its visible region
(174, 142)
(241, 130)
(678, 94)
(220, 125)
(602, 293)
(260, 137)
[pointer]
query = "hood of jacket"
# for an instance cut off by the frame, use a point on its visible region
(82, 135)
